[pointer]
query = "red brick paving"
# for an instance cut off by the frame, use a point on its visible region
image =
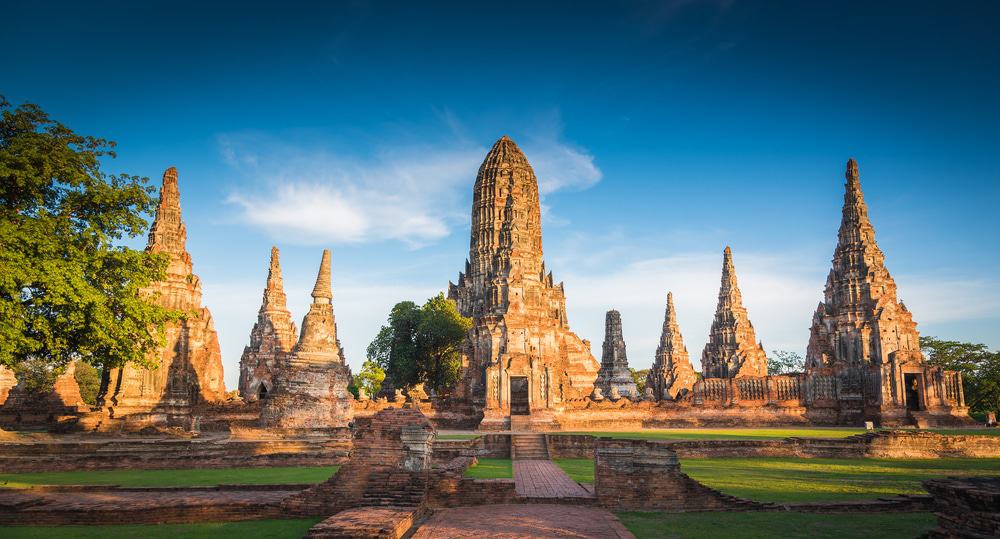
(543, 479)
(533, 521)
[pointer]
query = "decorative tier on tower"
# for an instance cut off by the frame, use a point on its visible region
(520, 355)
(614, 373)
(672, 374)
(865, 340)
(310, 391)
(7, 382)
(271, 338)
(732, 350)
(190, 365)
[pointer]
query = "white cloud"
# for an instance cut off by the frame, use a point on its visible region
(411, 193)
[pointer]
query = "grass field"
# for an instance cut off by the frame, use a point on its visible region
(758, 434)
(258, 529)
(172, 478)
(807, 480)
(491, 469)
(776, 525)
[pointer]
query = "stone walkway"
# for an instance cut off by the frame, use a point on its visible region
(534, 521)
(543, 479)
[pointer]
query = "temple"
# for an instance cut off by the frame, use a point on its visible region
(614, 378)
(310, 392)
(189, 367)
(520, 358)
(865, 339)
(272, 336)
(672, 374)
(732, 350)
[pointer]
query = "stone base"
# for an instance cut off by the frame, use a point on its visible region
(368, 523)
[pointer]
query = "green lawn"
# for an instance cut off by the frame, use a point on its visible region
(807, 480)
(491, 469)
(269, 529)
(172, 478)
(776, 525)
(757, 434)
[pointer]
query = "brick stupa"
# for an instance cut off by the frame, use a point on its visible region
(672, 374)
(190, 365)
(521, 343)
(865, 337)
(310, 393)
(7, 382)
(614, 376)
(732, 350)
(272, 337)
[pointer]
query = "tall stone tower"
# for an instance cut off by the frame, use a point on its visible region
(520, 350)
(732, 348)
(672, 374)
(272, 336)
(614, 373)
(190, 365)
(7, 382)
(865, 338)
(310, 391)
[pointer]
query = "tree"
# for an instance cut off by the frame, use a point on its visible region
(980, 368)
(66, 290)
(784, 362)
(370, 378)
(639, 377)
(421, 344)
(89, 380)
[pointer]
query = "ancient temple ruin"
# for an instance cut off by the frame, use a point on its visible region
(272, 336)
(520, 357)
(7, 382)
(189, 365)
(310, 392)
(672, 374)
(614, 378)
(732, 350)
(864, 358)
(60, 403)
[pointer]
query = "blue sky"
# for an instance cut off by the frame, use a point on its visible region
(661, 132)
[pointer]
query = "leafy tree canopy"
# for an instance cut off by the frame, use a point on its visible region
(370, 378)
(66, 290)
(639, 377)
(421, 344)
(784, 362)
(980, 368)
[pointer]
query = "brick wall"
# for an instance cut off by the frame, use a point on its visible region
(967, 507)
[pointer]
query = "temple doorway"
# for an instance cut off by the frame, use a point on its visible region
(912, 393)
(262, 392)
(519, 396)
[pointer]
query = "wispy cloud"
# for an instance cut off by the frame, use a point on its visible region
(413, 193)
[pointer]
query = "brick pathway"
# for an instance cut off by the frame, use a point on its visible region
(543, 479)
(533, 521)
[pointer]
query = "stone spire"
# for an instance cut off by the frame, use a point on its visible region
(310, 383)
(860, 320)
(517, 307)
(732, 348)
(190, 364)
(318, 340)
(672, 374)
(614, 373)
(272, 336)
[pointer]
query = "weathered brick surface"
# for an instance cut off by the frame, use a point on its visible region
(534, 521)
(966, 507)
(732, 349)
(62, 402)
(672, 374)
(367, 523)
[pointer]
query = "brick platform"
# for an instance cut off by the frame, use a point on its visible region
(367, 523)
(543, 479)
(523, 521)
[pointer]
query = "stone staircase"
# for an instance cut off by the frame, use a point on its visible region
(528, 447)
(393, 488)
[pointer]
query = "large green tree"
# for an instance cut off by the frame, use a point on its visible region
(421, 344)
(68, 290)
(784, 362)
(980, 368)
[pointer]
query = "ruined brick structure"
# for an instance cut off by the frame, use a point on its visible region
(190, 364)
(22, 407)
(7, 382)
(614, 375)
(965, 507)
(310, 392)
(520, 356)
(864, 358)
(672, 374)
(732, 350)
(272, 337)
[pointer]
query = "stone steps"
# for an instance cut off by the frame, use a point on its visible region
(529, 447)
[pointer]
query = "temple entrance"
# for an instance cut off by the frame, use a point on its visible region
(912, 391)
(262, 392)
(519, 396)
